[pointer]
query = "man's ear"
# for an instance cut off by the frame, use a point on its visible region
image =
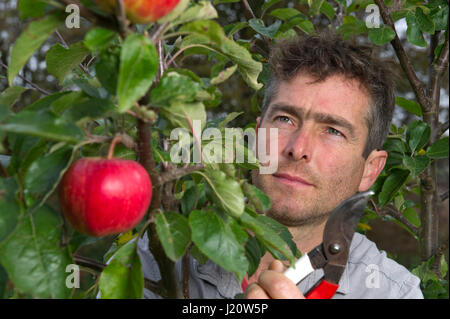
(372, 168)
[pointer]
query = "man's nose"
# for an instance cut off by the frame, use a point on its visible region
(298, 146)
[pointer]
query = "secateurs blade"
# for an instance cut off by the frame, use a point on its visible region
(332, 254)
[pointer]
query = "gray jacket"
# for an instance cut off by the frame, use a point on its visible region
(369, 274)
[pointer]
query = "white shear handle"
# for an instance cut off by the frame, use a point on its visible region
(302, 269)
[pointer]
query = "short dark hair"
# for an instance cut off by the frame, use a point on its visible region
(326, 54)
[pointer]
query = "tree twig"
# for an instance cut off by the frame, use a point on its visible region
(417, 86)
(444, 195)
(397, 215)
(442, 128)
(35, 86)
(122, 19)
(97, 267)
(177, 173)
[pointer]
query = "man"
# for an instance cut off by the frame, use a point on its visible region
(332, 103)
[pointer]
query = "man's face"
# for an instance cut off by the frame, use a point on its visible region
(321, 137)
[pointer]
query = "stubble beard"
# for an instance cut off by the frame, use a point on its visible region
(296, 210)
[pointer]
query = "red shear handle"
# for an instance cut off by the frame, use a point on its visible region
(325, 290)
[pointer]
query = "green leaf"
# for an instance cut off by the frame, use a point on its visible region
(33, 257)
(180, 114)
(138, 66)
(424, 21)
(11, 95)
(123, 277)
(87, 110)
(381, 36)
(31, 8)
(257, 197)
(416, 164)
(286, 14)
(440, 18)
(269, 235)
(99, 39)
(392, 185)
(417, 135)
(9, 207)
(218, 242)
(225, 192)
(438, 149)
(315, 6)
(174, 86)
(29, 41)
(204, 10)
(254, 252)
(352, 26)
(43, 124)
(395, 145)
(258, 26)
(210, 34)
(223, 75)
(328, 10)
(409, 105)
(412, 216)
(61, 61)
(174, 233)
(44, 174)
(107, 70)
(413, 33)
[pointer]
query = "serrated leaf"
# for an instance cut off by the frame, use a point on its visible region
(328, 10)
(218, 242)
(416, 164)
(417, 135)
(223, 75)
(61, 61)
(44, 174)
(123, 277)
(438, 149)
(424, 21)
(42, 124)
(269, 235)
(33, 257)
(202, 11)
(225, 192)
(257, 197)
(412, 216)
(10, 96)
(180, 114)
(29, 41)
(174, 86)
(409, 105)
(259, 26)
(381, 36)
(9, 207)
(31, 8)
(138, 66)
(107, 70)
(98, 39)
(174, 233)
(210, 34)
(392, 185)
(413, 33)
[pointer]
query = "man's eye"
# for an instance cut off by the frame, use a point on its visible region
(282, 119)
(333, 131)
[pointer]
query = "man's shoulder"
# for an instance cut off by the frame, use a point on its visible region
(382, 276)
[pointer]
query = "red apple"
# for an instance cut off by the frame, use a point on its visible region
(141, 11)
(105, 196)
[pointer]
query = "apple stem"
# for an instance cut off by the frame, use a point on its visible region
(115, 140)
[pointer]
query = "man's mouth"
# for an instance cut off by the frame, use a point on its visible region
(291, 180)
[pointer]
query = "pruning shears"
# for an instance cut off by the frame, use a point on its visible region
(332, 254)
